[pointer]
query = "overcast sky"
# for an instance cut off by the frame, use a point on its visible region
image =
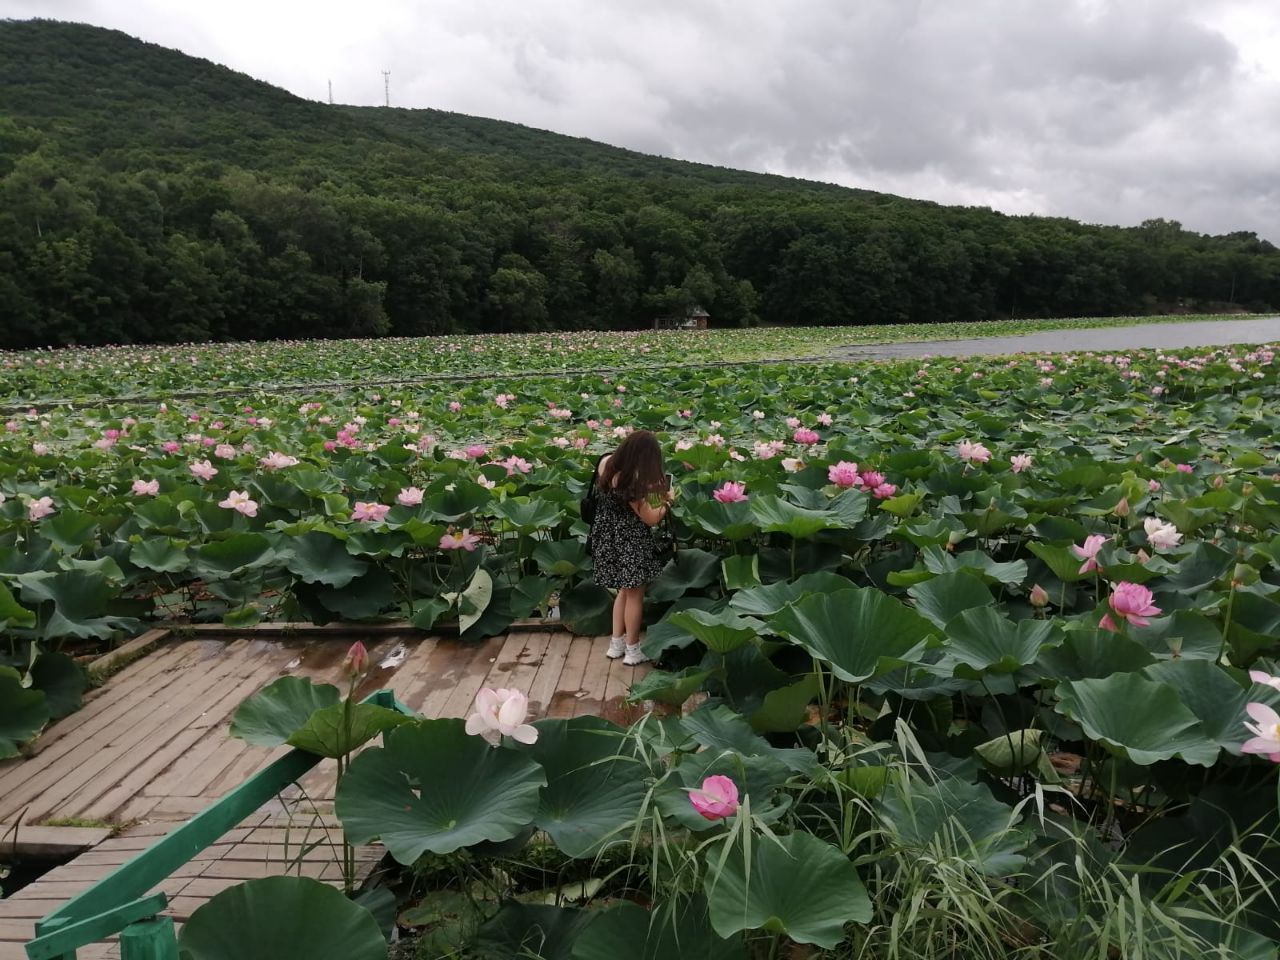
(1104, 110)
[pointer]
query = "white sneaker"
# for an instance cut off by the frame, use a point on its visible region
(617, 647)
(634, 655)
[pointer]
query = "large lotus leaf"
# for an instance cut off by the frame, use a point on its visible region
(728, 521)
(721, 729)
(70, 531)
(938, 561)
(627, 931)
(1209, 692)
(692, 569)
(433, 787)
(79, 597)
(859, 632)
(337, 730)
(162, 554)
(982, 640)
(673, 689)
(23, 712)
(595, 784)
(720, 632)
(362, 598)
(279, 710)
(759, 778)
(741, 571)
(528, 515)
(799, 886)
(281, 918)
(13, 613)
(465, 498)
(320, 558)
(762, 601)
(1184, 635)
(522, 931)
(561, 558)
(475, 599)
(947, 596)
(958, 818)
(1255, 623)
(664, 634)
(1064, 564)
(1091, 653)
(786, 708)
(775, 515)
(495, 618)
(63, 682)
(587, 609)
(1136, 718)
(243, 551)
(1016, 751)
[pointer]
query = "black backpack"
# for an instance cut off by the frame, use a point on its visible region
(588, 505)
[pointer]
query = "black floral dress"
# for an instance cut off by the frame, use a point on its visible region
(622, 545)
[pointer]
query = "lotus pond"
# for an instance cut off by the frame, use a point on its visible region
(959, 658)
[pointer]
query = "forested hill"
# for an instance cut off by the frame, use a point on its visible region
(148, 195)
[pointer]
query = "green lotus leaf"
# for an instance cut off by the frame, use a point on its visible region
(526, 931)
(741, 571)
(341, 728)
(673, 689)
(561, 558)
(786, 708)
(432, 787)
(628, 930)
(241, 551)
(23, 712)
(939, 561)
(1091, 653)
(279, 710)
(13, 613)
(797, 885)
(727, 521)
(954, 818)
(364, 597)
(595, 785)
(321, 558)
(775, 515)
(587, 609)
(281, 918)
(723, 730)
(162, 554)
(762, 601)
(720, 632)
(528, 515)
(79, 598)
(859, 632)
(70, 531)
(692, 569)
(981, 640)
(62, 680)
(1137, 718)
(949, 595)
(1211, 694)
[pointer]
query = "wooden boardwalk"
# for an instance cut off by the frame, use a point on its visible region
(151, 748)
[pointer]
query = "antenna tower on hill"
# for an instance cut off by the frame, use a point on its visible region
(331, 93)
(386, 85)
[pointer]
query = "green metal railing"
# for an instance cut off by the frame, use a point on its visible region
(119, 903)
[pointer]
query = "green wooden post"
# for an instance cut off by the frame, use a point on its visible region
(152, 939)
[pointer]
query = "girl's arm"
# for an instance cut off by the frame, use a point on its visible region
(650, 515)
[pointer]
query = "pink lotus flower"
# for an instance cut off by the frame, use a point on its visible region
(39, 509)
(203, 469)
(1088, 552)
(466, 540)
(224, 451)
(971, 452)
(1161, 535)
(455, 406)
(757, 414)
(731, 492)
(171, 446)
(1038, 597)
(1153, 486)
(241, 502)
(824, 419)
(1265, 730)
(477, 450)
(1185, 468)
(371, 512)
(40, 449)
(1257, 676)
(516, 464)
(1132, 602)
(717, 799)
(501, 713)
(357, 660)
(805, 435)
(277, 461)
(872, 478)
(883, 491)
(792, 464)
(792, 422)
(1020, 462)
(145, 488)
(409, 497)
(844, 474)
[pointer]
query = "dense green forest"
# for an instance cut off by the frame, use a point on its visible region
(150, 196)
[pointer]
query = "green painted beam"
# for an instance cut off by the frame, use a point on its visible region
(64, 941)
(153, 939)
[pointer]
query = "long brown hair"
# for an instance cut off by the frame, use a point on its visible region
(637, 466)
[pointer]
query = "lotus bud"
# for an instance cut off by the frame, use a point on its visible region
(1218, 481)
(1247, 489)
(1039, 597)
(357, 660)
(1122, 508)
(1143, 556)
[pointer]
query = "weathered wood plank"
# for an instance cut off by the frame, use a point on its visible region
(564, 699)
(594, 679)
(50, 842)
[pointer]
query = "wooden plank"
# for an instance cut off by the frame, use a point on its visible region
(508, 659)
(112, 747)
(451, 661)
(614, 706)
(564, 700)
(126, 653)
(416, 673)
(594, 678)
(28, 909)
(253, 869)
(49, 842)
(542, 687)
(464, 692)
(521, 675)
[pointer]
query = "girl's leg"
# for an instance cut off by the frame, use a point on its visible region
(617, 642)
(634, 616)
